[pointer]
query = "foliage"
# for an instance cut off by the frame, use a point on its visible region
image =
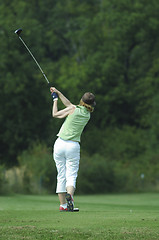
(124, 156)
(98, 173)
(107, 47)
(2, 180)
(39, 169)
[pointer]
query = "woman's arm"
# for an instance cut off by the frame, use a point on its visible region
(62, 113)
(66, 111)
(64, 100)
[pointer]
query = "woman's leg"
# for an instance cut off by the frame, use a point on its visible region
(62, 198)
(70, 190)
(72, 165)
(60, 161)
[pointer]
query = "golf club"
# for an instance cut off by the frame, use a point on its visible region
(18, 32)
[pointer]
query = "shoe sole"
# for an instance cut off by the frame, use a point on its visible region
(74, 210)
(70, 206)
(69, 202)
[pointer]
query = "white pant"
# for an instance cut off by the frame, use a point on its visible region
(66, 156)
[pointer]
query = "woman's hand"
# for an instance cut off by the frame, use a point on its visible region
(64, 100)
(53, 89)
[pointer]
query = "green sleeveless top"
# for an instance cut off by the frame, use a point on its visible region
(74, 124)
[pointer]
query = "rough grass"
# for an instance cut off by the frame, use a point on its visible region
(130, 216)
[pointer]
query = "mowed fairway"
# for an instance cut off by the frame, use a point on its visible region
(127, 216)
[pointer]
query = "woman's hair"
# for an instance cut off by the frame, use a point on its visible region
(89, 107)
(89, 99)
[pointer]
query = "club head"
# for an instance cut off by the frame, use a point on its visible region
(18, 31)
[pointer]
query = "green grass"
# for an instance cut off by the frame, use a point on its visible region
(127, 216)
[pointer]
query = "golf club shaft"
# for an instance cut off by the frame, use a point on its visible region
(34, 60)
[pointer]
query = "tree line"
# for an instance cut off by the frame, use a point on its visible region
(107, 47)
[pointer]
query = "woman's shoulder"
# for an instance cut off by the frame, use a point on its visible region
(72, 108)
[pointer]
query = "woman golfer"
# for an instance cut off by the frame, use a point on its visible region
(67, 148)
